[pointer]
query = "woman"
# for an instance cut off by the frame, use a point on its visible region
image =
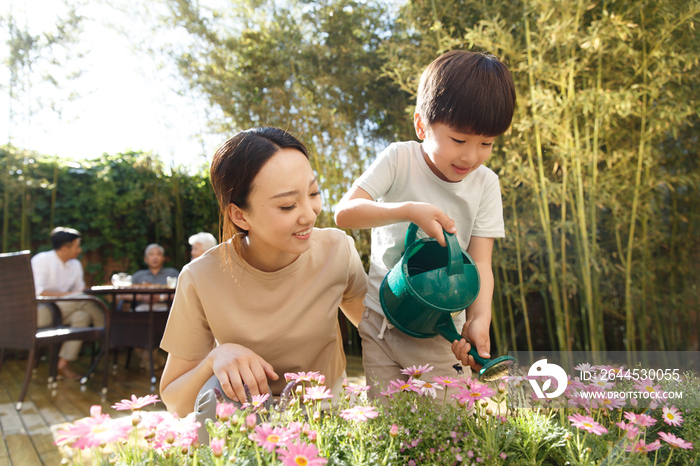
(269, 295)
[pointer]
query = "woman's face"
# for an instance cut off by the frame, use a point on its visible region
(283, 205)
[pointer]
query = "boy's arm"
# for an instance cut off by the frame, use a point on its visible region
(357, 209)
(476, 328)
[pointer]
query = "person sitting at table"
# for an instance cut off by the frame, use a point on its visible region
(155, 274)
(201, 243)
(59, 273)
(265, 301)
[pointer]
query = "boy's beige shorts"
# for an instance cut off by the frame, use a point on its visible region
(384, 357)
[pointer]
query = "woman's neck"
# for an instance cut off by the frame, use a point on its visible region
(264, 259)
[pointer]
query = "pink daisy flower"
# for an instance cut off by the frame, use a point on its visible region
(94, 432)
(427, 388)
(136, 403)
(631, 429)
(268, 437)
(642, 447)
(515, 380)
(671, 416)
(176, 432)
(641, 420)
(613, 403)
(602, 382)
(476, 392)
(301, 454)
(303, 376)
(317, 393)
(584, 367)
(150, 420)
(224, 411)
(257, 402)
(217, 446)
(359, 413)
(587, 423)
(416, 372)
(647, 386)
(356, 389)
(445, 381)
(403, 386)
(675, 442)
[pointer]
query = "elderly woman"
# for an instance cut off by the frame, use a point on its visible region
(201, 243)
(265, 301)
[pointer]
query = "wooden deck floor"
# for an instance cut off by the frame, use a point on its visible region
(28, 434)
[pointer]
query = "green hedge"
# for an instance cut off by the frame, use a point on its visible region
(120, 203)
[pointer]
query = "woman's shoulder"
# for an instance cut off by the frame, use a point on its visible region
(331, 238)
(210, 260)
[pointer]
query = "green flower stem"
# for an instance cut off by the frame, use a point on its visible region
(388, 450)
(257, 453)
(669, 457)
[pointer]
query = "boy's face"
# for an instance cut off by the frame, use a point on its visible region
(450, 154)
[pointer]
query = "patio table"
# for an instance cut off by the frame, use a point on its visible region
(133, 328)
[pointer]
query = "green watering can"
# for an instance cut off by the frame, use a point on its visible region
(427, 286)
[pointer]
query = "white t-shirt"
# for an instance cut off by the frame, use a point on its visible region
(401, 174)
(52, 274)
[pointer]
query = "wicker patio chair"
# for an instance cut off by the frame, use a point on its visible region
(18, 319)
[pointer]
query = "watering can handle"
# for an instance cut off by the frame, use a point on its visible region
(455, 266)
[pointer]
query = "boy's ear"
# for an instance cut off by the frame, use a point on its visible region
(237, 216)
(419, 125)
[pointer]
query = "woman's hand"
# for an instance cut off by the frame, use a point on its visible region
(235, 365)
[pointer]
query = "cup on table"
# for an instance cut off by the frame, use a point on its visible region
(121, 279)
(171, 282)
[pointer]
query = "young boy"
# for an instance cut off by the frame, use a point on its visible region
(465, 100)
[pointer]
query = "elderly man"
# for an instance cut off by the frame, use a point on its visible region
(155, 274)
(59, 273)
(201, 243)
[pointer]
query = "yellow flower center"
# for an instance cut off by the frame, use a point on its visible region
(301, 460)
(475, 394)
(404, 386)
(670, 416)
(588, 424)
(273, 438)
(650, 389)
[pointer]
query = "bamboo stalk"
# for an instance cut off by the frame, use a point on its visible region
(521, 282)
(583, 231)
(499, 292)
(546, 225)
(630, 343)
(511, 314)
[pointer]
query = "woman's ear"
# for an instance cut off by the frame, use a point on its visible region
(419, 125)
(237, 216)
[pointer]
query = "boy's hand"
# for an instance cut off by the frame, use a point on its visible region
(475, 330)
(432, 221)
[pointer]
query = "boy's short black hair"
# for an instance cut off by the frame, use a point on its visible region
(470, 92)
(62, 235)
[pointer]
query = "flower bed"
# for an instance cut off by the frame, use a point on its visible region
(414, 423)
